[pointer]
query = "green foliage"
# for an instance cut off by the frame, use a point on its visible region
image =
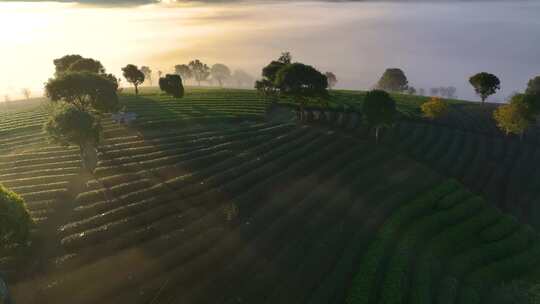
(447, 293)
(332, 79)
(172, 85)
(393, 80)
(87, 65)
(506, 225)
(285, 58)
(242, 78)
(270, 71)
(200, 70)
(361, 290)
(84, 90)
(485, 84)
(69, 125)
(133, 75)
(15, 221)
(62, 64)
(469, 295)
(147, 73)
(515, 292)
(184, 71)
(533, 86)
(434, 108)
(301, 82)
(220, 72)
(379, 110)
(513, 118)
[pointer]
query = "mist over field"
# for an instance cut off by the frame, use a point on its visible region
(436, 43)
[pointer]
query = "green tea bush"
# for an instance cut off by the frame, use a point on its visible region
(15, 221)
(506, 225)
(448, 290)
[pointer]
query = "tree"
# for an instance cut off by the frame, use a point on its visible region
(270, 71)
(393, 80)
(147, 73)
(434, 91)
(421, 91)
(159, 73)
(70, 125)
(485, 84)
(242, 78)
(133, 75)
(411, 90)
(86, 65)
(267, 85)
(266, 89)
(332, 79)
(434, 108)
(285, 58)
(379, 110)
(172, 84)
(184, 71)
(84, 90)
(220, 72)
(200, 70)
(26, 92)
(533, 87)
(301, 82)
(451, 92)
(15, 220)
(62, 64)
(512, 118)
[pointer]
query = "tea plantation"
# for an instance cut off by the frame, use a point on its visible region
(208, 199)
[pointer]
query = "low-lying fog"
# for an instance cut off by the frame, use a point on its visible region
(436, 44)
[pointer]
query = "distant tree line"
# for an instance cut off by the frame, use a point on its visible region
(219, 73)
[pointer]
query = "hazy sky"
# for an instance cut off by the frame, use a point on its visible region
(436, 43)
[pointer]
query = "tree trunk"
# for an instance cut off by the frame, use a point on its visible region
(136, 90)
(89, 157)
(83, 156)
(377, 135)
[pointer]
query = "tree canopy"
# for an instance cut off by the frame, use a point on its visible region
(379, 110)
(68, 125)
(87, 65)
(301, 81)
(393, 80)
(62, 64)
(15, 220)
(172, 84)
(134, 76)
(434, 108)
(285, 58)
(220, 72)
(485, 84)
(242, 78)
(332, 79)
(533, 86)
(200, 70)
(147, 73)
(184, 71)
(512, 118)
(84, 90)
(270, 71)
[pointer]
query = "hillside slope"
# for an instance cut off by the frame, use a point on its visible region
(201, 201)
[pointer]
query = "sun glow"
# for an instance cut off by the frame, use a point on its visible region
(33, 34)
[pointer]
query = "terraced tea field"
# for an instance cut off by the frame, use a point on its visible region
(203, 201)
